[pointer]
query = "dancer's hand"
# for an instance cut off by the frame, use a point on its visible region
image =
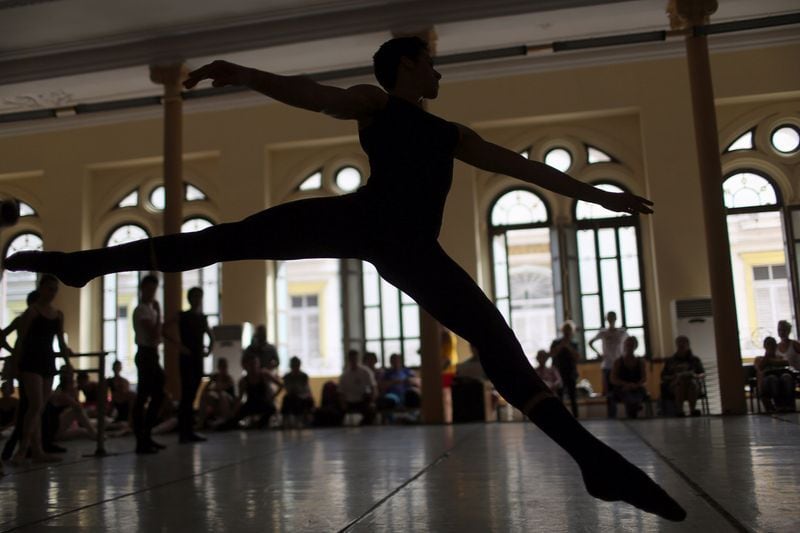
(625, 202)
(221, 73)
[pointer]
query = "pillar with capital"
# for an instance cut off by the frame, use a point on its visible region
(170, 76)
(692, 15)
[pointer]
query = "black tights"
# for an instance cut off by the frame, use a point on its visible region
(340, 227)
(409, 258)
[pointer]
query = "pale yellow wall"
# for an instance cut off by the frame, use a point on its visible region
(247, 159)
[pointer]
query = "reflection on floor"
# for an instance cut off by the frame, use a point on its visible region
(731, 474)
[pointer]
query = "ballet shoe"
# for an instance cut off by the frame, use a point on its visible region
(610, 477)
(49, 262)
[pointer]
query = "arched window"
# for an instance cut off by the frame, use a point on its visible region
(609, 267)
(158, 200)
(325, 307)
(519, 226)
(15, 286)
(120, 297)
(207, 278)
(758, 258)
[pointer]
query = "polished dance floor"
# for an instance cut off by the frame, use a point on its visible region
(731, 474)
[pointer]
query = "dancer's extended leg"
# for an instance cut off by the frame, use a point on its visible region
(439, 285)
(317, 227)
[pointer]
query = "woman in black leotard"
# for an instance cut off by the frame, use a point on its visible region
(392, 222)
(39, 325)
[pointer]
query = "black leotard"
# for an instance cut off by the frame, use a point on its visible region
(411, 161)
(37, 348)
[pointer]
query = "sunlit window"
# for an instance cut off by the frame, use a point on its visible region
(595, 155)
(559, 158)
(130, 200)
(26, 210)
(743, 142)
(348, 179)
(786, 139)
(312, 182)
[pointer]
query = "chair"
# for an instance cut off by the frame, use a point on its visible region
(751, 386)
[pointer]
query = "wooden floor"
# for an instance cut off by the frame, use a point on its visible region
(731, 474)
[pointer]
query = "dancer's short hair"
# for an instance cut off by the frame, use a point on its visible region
(47, 278)
(387, 58)
(194, 291)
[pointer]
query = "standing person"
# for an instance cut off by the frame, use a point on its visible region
(393, 222)
(11, 372)
(193, 328)
(564, 352)
(628, 378)
(788, 348)
(358, 388)
(150, 389)
(259, 347)
(611, 346)
(39, 325)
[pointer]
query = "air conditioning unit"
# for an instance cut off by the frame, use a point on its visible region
(694, 319)
(230, 340)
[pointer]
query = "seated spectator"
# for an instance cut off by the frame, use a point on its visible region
(628, 378)
(167, 419)
(370, 360)
(680, 376)
(775, 379)
(218, 399)
(122, 397)
(73, 421)
(399, 385)
(297, 402)
(788, 348)
(330, 411)
(472, 367)
(548, 374)
(91, 392)
(256, 400)
(8, 406)
(358, 388)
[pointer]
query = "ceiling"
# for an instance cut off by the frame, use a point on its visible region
(59, 53)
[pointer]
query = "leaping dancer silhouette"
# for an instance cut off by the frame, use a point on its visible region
(392, 222)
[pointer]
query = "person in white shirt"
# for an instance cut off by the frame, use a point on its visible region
(147, 330)
(612, 339)
(358, 388)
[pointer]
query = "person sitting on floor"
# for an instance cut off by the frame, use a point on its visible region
(91, 392)
(297, 402)
(358, 388)
(330, 411)
(399, 385)
(680, 376)
(218, 400)
(628, 378)
(122, 398)
(73, 422)
(549, 374)
(255, 395)
(775, 378)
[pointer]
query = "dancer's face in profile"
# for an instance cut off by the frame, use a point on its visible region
(149, 291)
(420, 73)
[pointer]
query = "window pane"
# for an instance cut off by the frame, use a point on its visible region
(558, 158)
(371, 295)
(500, 268)
(390, 307)
(779, 272)
(372, 322)
(607, 242)
(587, 210)
(633, 309)
(746, 189)
(374, 347)
(314, 181)
(744, 142)
(639, 334)
(596, 156)
(194, 194)
(110, 336)
(610, 280)
(518, 207)
(348, 179)
(410, 321)
(158, 198)
(591, 312)
(390, 347)
(786, 139)
(761, 272)
(411, 355)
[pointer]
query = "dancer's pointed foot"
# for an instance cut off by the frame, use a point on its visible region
(51, 262)
(611, 477)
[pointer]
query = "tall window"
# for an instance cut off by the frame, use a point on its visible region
(391, 320)
(120, 297)
(523, 272)
(609, 268)
(15, 286)
(328, 306)
(758, 258)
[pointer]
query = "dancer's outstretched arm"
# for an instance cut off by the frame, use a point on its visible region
(359, 102)
(476, 151)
